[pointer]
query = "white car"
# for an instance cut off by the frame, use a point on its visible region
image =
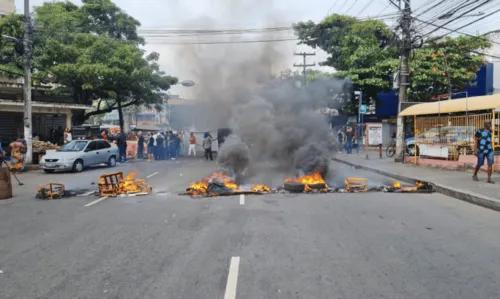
(79, 154)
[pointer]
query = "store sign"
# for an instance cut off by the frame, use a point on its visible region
(362, 109)
(375, 134)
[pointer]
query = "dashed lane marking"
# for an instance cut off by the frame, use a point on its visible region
(242, 199)
(232, 278)
(95, 201)
(152, 175)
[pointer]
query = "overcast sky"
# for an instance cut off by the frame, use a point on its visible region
(175, 14)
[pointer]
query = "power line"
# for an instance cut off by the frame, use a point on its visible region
(366, 6)
(468, 24)
(222, 42)
(304, 65)
(333, 5)
(463, 14)
(355, 1)
(453, 30)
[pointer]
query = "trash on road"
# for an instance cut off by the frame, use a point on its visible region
(356, 185)
(420, 187)
(220, 184)
(114, 184)
(50, 191)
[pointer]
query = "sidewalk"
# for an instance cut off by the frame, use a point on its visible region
(457, 184)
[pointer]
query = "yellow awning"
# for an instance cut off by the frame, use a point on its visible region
(451, 106)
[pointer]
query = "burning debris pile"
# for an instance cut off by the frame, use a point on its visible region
(420, 187)
(50, 191)
(115, 184)
(220, 184)
(306, 183)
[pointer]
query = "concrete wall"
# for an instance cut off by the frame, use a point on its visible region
(7, 6)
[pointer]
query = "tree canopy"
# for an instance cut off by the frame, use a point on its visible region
(362, 51)
(91, 52)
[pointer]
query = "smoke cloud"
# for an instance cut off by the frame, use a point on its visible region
(275, 124)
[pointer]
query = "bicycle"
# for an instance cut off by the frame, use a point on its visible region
(390, 151)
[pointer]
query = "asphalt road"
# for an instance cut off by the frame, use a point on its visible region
(372, 245)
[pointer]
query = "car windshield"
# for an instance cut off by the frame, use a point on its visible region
(74, 146)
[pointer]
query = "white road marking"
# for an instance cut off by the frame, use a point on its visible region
(95, 201)
(242, 199)
(87, 194)
(152, 175)
(232, 278)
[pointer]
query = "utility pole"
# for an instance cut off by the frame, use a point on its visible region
(28, 129)
(304, 65)
(406, 45)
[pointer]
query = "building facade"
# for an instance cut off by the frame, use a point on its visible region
(7, 7)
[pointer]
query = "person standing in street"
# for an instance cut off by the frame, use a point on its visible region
(104, 135)
(181, 144)
(207, 145)
(140, 146)
(340, 136)
(349, 138)
(151, 147)
(192, 144)
(68, 137)
(160, 146)
(484, 150)
(122, 147)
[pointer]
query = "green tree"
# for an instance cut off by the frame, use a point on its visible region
(93, 53)
(357, 50)
(362, 51)
(446, 65)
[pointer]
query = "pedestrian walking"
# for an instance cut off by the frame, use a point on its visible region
(207, 145)
(140, 146)
(484, 150)
(192, 144)
(151, 147)
(122, 147)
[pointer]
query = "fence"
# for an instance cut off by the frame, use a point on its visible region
(449, 136)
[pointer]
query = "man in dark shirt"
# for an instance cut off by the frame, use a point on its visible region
(122, 147)
(484, 150)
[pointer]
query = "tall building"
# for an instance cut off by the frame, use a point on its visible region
(7, 7)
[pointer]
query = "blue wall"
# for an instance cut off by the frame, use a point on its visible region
(387, 105)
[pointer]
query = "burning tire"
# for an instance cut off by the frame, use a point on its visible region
(294, 187)
(319, 186)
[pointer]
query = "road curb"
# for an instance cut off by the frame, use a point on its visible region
(464, 195)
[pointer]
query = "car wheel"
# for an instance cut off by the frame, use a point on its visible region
(294, 187)
(411, 150)
(49, 170)
(78, 166)
(112, 161)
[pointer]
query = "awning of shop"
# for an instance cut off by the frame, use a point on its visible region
(146, 128)
(452, 106)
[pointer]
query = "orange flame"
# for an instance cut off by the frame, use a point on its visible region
(309, 179)
(396, 185)
(260, 188)
(114, 184)
(201, 187)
